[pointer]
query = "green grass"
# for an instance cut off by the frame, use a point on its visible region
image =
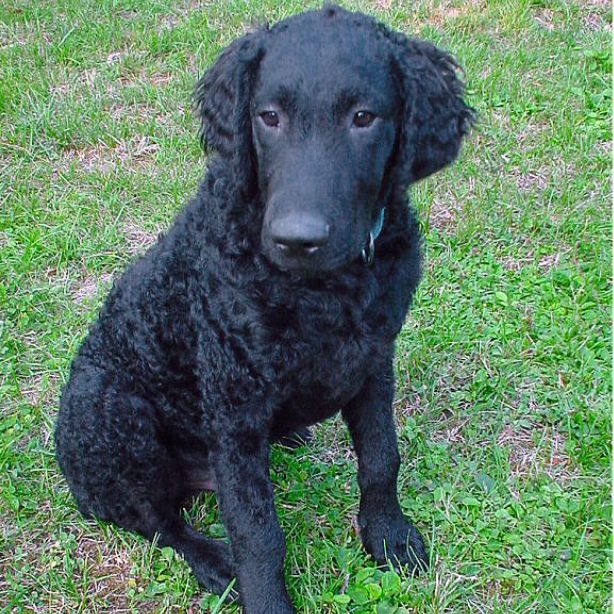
(504, 379)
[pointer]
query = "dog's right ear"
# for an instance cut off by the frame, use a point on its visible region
(222, 99)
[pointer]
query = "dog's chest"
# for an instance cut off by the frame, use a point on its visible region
(320, 352)
(320, 382)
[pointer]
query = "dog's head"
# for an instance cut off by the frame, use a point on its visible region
(325, 116)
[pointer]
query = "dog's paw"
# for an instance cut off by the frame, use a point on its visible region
(397, 542)
(281, 607)
(215, 570)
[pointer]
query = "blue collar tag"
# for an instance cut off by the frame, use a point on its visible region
(379, 224)
(368, 252)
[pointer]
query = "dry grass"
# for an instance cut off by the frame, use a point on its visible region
(536, 451)
(137, 239)
(128, 155)
(90, 287)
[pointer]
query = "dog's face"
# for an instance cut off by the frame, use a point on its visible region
(325, 113)
(323, 117)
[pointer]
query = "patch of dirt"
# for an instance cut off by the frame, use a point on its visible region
(87, 288)
(333, 438)
(604, 147)
(441, 12)
(142, 76)
(452, 433)
(450, 426)
(72, 81)
(535, 450)
(545, 263)
(169, 21)
(187, 7)
(139, 240)
(546, 18)
(101, 573)
(543, 177)
(408, 406)
(13, 38)
(595, 22)
(127, 14)
(516, 264)
(443, 213)
(600, 3)
(548, 262)
(527, 181)
(139, 113)
(109, 571)
(444, 210)
(531, 130)
(117, 56)
(128, 155)
(161, 78)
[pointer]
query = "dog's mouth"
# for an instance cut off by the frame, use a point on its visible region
(321, 262)
(308, 265)
(312, 263)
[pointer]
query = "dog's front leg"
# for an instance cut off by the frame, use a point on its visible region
(385, 532)
(246, 498)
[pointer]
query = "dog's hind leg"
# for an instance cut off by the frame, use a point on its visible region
(159, 521)
(121, 469)
(210, 559)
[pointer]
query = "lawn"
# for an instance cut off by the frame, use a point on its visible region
(503, 366)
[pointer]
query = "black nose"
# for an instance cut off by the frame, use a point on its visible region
(300, 233)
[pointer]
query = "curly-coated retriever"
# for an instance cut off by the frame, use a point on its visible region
(272, 302)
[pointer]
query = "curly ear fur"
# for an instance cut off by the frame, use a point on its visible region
(438, 117)
(435, 116)
(222, 98)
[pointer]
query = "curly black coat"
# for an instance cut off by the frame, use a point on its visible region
(257, 314)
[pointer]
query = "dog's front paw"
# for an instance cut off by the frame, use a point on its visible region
(395, 541)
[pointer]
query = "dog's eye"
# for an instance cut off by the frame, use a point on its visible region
(363, 119)
(270, 119)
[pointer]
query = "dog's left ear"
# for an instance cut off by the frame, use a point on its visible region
(435, 115)
(222, 99)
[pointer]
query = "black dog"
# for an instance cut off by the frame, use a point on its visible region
(273, 301)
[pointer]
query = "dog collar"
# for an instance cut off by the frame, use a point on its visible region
(368, 252)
